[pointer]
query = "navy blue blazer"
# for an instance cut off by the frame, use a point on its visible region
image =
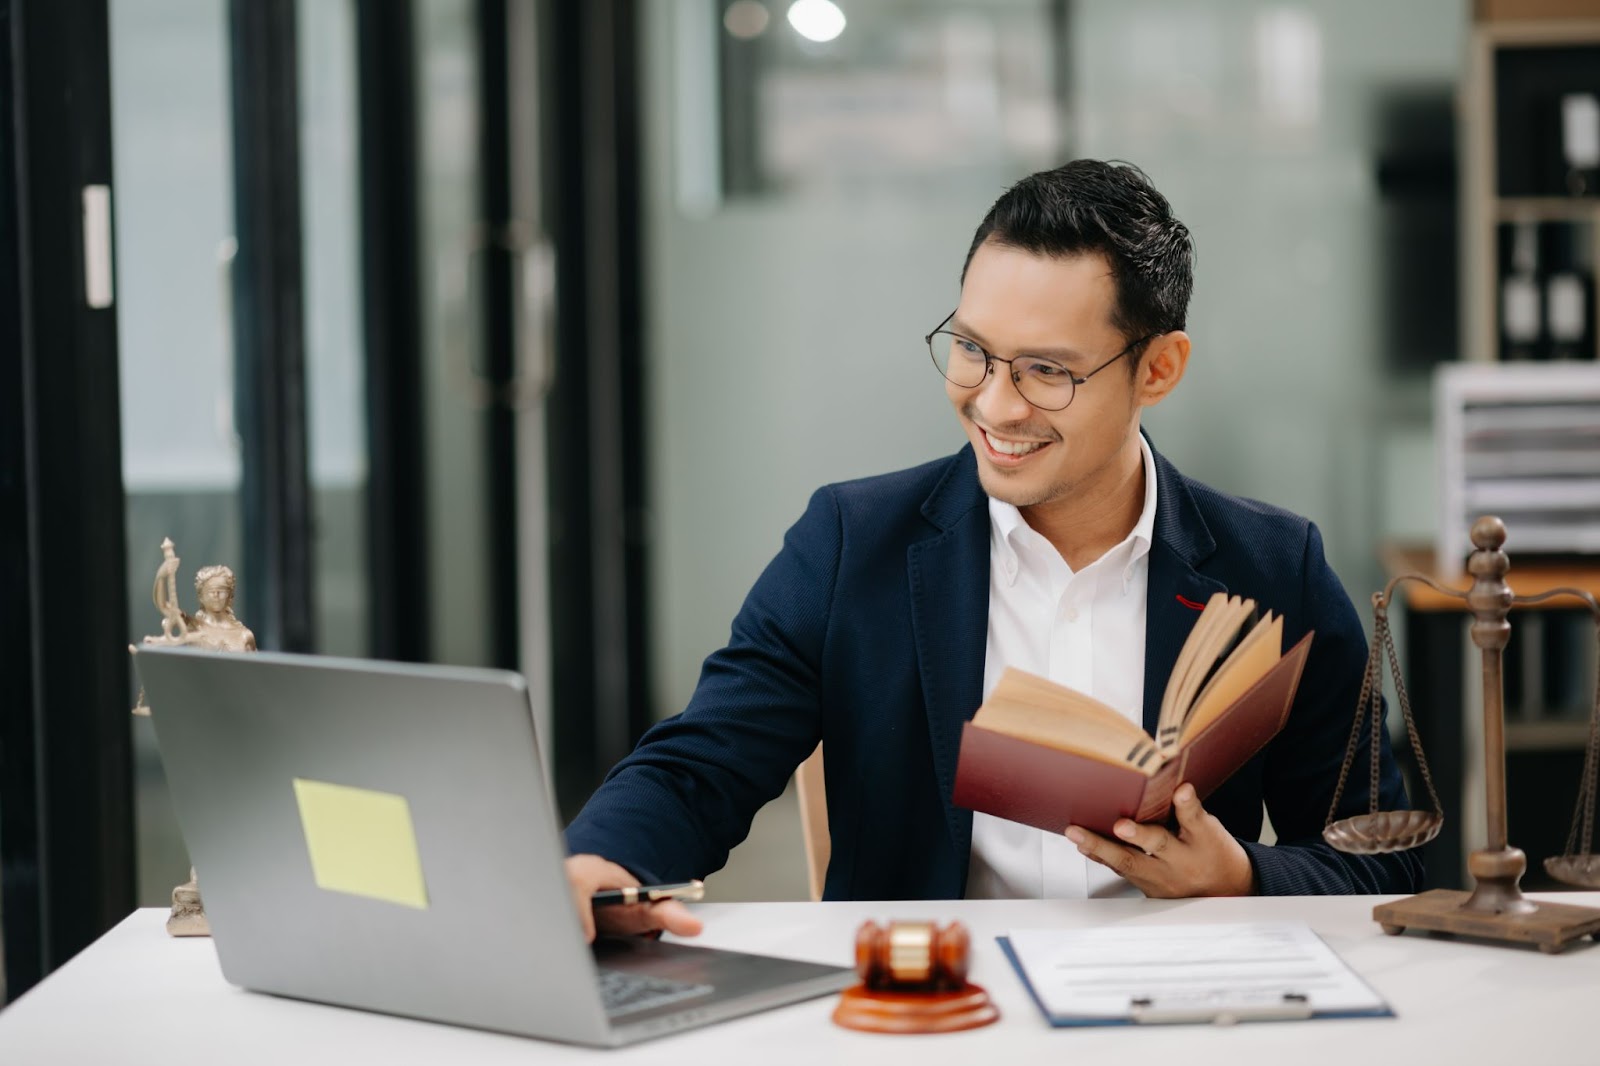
(868, 631)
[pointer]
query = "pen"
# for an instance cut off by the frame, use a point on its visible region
(689, 891)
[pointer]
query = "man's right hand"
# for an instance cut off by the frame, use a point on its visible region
(588, 874)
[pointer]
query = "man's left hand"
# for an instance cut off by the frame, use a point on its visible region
(1201, 859)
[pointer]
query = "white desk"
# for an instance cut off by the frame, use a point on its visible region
(138, 996)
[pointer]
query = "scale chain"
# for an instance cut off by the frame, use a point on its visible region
(1591, 764)
(1410, 720)
(1370, 682)
(1371, 700)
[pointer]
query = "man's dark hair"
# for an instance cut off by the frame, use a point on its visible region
(1090, 206)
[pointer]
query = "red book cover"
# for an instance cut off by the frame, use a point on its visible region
(1051, 789)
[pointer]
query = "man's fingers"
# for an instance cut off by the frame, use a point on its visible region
(585, 918)
(586, 875)
(1150, 839)
(593, 873)
(1107, 853)
(1208, 861)
(628, 920)
(636, 919)
(676, 919)
(607, 874)
(1192, 817)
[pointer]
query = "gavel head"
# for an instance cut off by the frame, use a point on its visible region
(912, 956)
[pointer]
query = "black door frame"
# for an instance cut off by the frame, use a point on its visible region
(598, 498)
(66, 790)
(397, 514)
(497, 313)
(269, 323)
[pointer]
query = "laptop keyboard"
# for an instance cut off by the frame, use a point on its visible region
(629, 993)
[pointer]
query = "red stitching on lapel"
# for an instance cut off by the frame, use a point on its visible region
(1193, 606)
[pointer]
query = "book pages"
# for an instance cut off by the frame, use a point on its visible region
(1031, 708)
(1226, 642)
(1199, 658)
(1170, 719)
(1257, 653)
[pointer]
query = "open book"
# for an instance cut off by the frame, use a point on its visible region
(1050, 756)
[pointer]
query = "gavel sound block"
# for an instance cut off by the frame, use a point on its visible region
(913, 980)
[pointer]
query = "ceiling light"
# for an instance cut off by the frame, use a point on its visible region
(816, 20)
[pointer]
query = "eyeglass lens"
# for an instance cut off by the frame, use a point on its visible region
(1043, 382)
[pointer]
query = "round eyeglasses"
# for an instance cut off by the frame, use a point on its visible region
(1043, 382)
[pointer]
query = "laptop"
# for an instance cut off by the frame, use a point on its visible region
(381, 836)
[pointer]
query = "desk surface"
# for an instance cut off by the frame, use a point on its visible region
(138, 996)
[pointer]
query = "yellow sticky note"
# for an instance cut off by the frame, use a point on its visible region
(361, 842)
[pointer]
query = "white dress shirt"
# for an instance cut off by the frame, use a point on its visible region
(1084, 630)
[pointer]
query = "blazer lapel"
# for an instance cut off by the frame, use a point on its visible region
(1177, 590)
(949, 575)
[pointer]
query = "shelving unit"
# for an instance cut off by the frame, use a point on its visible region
(1546, 736)
(1483, 207)
(1479, 413)
(1519, 440)
(1544, 209)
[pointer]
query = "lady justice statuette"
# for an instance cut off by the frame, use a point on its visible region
(215, 628)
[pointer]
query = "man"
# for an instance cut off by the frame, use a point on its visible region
(1058, 541)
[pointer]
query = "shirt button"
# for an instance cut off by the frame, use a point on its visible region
(1072, 614)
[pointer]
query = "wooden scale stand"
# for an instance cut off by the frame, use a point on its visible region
(1495, 909)
(913, 980)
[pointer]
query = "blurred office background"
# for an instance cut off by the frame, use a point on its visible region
(516, 332)
(787, 304)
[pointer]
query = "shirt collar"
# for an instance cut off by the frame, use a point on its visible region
(1006, 523)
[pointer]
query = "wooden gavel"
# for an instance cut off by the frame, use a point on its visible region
(912, 956)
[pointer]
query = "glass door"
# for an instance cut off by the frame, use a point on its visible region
(182, 462)
(386, 336)
(184, 409)
(336, 350)
(257, 403)
(452, 236)
(486, 285)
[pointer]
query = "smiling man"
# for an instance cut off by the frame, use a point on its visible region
(1059, 542)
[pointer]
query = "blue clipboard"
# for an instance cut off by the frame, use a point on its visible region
(1222, 1009)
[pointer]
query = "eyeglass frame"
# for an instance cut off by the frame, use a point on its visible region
(989, 359)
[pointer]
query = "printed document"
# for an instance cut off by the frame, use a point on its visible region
(1116, 974)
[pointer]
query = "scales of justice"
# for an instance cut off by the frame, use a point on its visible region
(1495, 909)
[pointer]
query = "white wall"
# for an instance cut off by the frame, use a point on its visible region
(1257, 120)
(785, 335)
